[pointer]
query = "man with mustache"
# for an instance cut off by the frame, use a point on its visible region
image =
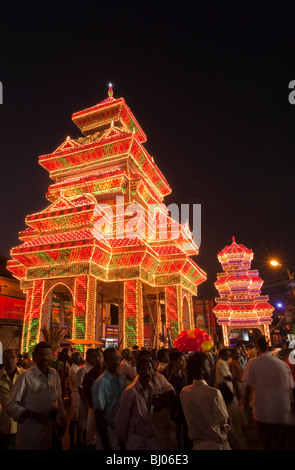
(133, 422)
(35, 403)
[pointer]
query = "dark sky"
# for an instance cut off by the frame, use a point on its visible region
(209, 86)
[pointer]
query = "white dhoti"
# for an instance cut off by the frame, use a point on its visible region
(91, 434)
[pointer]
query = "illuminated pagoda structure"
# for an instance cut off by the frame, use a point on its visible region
(240, 305)
(90, 255)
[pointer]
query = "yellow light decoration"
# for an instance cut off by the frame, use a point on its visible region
(65, 242)
(240, 303)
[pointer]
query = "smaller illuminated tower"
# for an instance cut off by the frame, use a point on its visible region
(240, 305)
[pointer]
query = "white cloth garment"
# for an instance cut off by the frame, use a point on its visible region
(206, 416)
(272, 381)
(83, 408)
(75, 397)
(34, 391)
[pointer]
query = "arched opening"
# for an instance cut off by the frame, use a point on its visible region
(244, 335)
(57, 310)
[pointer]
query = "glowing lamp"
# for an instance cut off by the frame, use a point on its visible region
(274, 263)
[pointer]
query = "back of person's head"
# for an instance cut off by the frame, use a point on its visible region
(226, 392)
(162, 354)
(196, 363)
(108, 351)
(90, 353)
(75, 356)
(125, 353)
(261, 343)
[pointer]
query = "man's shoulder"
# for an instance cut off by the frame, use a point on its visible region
(132, 388)
(200, 385)
(101, 379)
(52, 370)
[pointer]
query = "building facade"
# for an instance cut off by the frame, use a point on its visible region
(106, 238)
(12, 308)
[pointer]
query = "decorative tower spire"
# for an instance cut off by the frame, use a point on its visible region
(110, 90)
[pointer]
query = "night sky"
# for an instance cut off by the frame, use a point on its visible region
(208, 85)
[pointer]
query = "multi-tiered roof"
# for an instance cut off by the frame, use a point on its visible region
(89, 172)
(240, 302)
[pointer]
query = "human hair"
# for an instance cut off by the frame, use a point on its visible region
(175, 354)
(39, 347)
(144, 356)
(224, 353)
(262, 343)
(9, 351)
(144, 359)
(195, 363)
(161, 353)
(89, 353)
(125, 352)
(108, 352)
(75, 355)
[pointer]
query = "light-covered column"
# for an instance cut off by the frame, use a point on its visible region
(79, 322)
(133, 314)
(171, 311)
(26, 326)
(35, 315)
(90, 308)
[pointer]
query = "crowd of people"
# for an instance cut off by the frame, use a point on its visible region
(140, 399)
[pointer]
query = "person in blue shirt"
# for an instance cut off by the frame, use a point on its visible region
(106, 393)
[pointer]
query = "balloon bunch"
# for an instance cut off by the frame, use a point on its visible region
(193, 341)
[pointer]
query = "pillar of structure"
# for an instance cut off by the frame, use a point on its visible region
(91, 307)
(132, 321)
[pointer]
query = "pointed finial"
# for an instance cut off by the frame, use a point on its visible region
(234, 241)
(110, 90)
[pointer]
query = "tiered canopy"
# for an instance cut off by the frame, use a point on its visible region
(89, 172)
(240, 303)
(106, 222)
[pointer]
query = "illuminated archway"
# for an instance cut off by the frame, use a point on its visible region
(57, 308)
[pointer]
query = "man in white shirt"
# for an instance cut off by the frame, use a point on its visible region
(8, 376)
(204, 408)
(222, 369)
(271, 381)
(74, 428)
(133, 422)
(35, 403)
(127, 366)
(91, 358)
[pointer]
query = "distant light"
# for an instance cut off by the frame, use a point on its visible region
(110, 84)
(279, 305)
(274, 263)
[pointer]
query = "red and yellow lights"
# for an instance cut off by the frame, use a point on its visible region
(240, 304)
(62, 242)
